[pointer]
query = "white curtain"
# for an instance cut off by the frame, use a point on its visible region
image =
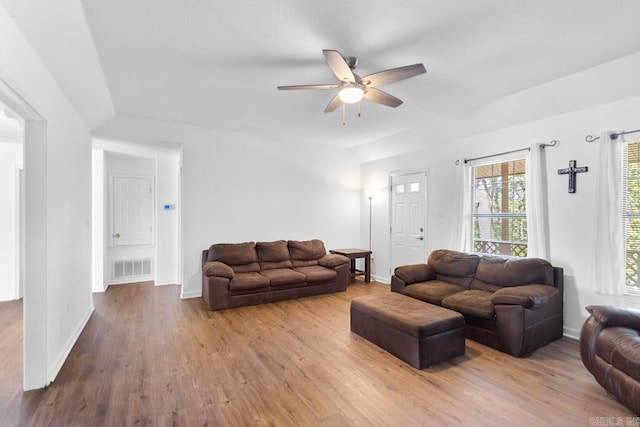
(463, 233)
(537, 228)
(608, 251)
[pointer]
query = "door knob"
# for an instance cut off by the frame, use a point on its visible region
(420, 237)
(117, 235)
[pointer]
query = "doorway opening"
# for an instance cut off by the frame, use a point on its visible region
(32, 231)
(136, 214)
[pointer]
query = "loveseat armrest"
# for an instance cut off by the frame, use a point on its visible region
(217, 268)
(528, 296)
(333, 260)
(610, 316)
(415, 273)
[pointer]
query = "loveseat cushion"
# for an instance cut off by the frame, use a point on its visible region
(453, 266)
(273, 255)
(526, 295)
(415, 273)
(432, 291)
(306, 253)
(473, 302)
(284, 276)
(233, 253)
(497, 271)
(317, 274)
(217, 268)
(248, 281)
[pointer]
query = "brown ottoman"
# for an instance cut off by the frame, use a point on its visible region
(417, 332)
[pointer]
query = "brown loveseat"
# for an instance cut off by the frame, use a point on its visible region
(239, 274)
(512, 304)
(610, 350)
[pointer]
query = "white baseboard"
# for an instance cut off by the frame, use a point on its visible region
(165, 282)
(66, 350)
(192, 294)
(571, 333)
(381, 279)
(7, 297)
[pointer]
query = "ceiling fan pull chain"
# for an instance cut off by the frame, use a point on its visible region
(344, 114)
(359, 108)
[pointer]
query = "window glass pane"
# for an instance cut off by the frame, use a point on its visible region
(499, 210)
(631, 213)
(400, 189)
(414, 187)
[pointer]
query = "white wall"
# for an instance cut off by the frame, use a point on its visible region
(571, 219)
(57, 161)
(239, 188)
(11, 157)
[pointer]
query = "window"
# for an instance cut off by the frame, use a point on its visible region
(631, 213)
(499, 212)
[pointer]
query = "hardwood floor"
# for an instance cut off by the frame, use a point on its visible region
(148, 358)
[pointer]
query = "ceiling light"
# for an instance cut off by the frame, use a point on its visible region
(351, 94)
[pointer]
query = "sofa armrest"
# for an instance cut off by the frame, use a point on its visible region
(527, 296)
(609, 315)
(415, 273)
(217, 268)
(333, 260)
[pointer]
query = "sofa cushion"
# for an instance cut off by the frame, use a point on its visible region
(473, 302)
(415, 273)
(610, 315)
(453, 266)
(284, 276)
(526, 295)
(626, 355)
(248, 281)
(233, 253)
(217, 268)
(432, 291)
(333, 260)
(306, 250)
(317, 274)
(496, 271)
(272, 251)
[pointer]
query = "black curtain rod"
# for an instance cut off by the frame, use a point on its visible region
(615, 135)
(552, 143)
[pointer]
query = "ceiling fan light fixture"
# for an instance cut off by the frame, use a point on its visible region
(351, 94)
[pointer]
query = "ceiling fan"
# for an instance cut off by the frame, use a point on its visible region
(353, 88)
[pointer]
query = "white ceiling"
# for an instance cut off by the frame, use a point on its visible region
(216, 64)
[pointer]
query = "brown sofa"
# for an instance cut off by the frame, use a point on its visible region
(610, 350)
(512, 304)
(239, 274)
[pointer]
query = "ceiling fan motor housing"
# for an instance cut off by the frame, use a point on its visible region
(352, 61)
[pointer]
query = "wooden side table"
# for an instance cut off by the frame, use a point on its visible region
(354, 254)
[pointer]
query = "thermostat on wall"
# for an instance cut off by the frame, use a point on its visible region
(169, 207)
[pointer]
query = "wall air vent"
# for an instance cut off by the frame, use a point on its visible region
(131, 268)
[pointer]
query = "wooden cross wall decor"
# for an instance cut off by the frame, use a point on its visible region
(572, 170)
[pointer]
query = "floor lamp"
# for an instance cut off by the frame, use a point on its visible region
(369, 195)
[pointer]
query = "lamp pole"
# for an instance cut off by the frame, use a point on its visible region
(370, 196)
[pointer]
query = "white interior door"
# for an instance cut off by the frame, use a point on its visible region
(132, 211)
(408, 200)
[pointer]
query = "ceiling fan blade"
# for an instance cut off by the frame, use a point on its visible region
(298, 87)
(333, 104)
(338, 65)
(393, 75)
(376, 95)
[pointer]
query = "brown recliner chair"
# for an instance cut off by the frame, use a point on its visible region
(610, 350)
